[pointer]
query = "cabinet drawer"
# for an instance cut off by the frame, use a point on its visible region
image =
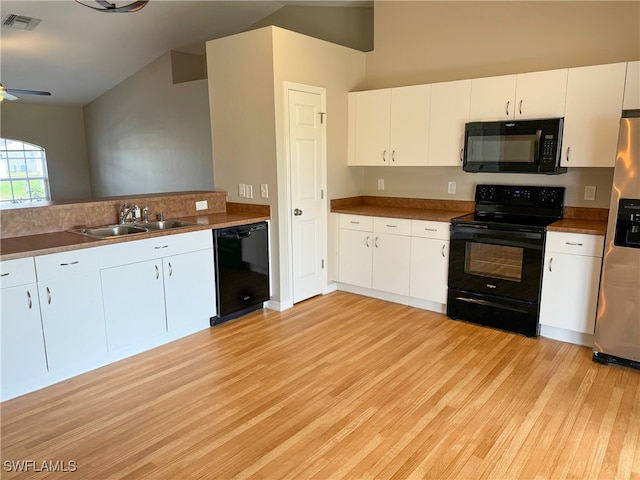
(575, 243)
(17, 272)
(158, 247)
(428, 229)
(59, 265)
(356, 222)
(394, 226)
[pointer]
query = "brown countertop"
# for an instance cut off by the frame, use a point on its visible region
(46, 243)
(431, 214)
(410, 208)
(574, 225)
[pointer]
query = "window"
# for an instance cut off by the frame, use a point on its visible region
(23, 173)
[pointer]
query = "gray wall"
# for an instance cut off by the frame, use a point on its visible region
(60, 130)
(147, 135)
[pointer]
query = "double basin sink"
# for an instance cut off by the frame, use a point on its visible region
(123, 229)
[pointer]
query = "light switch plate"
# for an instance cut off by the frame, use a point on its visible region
(451, 188)
(202, 205)
(381, 184)
(248, 190)
(241, 190)
(264, 190)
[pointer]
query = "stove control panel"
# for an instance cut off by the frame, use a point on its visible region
(528, 196)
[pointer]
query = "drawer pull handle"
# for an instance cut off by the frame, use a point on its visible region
(550, 260)
(170, 269)
(158, 248)
(354, 222)
(70, 263)
(29, 302)
(157, 272)
(431, 229)
(48, 296)
(392, 226)
(574, 244)
(6, 274)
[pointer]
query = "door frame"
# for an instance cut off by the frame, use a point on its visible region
(293, 86)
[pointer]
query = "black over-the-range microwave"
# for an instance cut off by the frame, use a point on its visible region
(525, 146)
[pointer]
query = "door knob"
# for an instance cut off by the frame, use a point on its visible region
(297, 212)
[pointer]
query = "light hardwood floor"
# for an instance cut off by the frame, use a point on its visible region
(340, 386)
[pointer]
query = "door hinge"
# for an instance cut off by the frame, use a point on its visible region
(323, 263)
(322, 114)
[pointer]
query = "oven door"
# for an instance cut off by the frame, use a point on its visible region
(496, 261)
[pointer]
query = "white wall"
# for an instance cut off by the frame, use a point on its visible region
(147, 135)
(246, 87)
(60, 130)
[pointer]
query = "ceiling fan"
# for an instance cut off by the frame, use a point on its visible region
(11, 93)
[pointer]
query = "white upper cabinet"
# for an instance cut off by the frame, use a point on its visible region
(449, 113)
(592, 115)
(409, 137)
(372, 123)
(632, 87)
(541, 94)
(390, 126)
(525, 96)
(492, 98)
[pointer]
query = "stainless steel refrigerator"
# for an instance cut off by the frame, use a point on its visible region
(617, 335)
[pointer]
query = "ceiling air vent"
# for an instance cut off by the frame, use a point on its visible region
(20, 22)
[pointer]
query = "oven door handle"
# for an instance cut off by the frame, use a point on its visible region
(484, 230)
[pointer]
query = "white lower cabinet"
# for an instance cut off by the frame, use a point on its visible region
(133, 303)
(570, 283)
(93, 306)
(429, 261)
(21, 338)
(71, 307)
(397, 256)
(356, 262)
(189, 290)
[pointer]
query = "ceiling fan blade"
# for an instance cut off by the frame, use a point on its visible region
(106, 6)
(7, 96)
(27, 92)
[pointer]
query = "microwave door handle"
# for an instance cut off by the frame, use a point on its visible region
(536, 155)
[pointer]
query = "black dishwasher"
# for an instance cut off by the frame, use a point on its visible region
(242, 270)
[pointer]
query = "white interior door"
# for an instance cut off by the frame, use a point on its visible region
(307, 157)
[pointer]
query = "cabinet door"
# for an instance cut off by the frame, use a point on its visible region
(570, 291)
(391, 263)
(449, 113)
(372, 122)
(21, 340)
(429, 269)
(133, 303)
(73, 321)
(355, 263)
(409, 137)
(493, 98)
(541, 94)
(592, 115)
(189, 291)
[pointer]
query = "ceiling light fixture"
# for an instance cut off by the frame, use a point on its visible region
(112, 7)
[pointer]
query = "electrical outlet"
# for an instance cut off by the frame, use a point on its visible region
(381, 184)
(264, 190)
(590, 192)
(202, 205)
(249, 191)
(451, 188)
(241, 190)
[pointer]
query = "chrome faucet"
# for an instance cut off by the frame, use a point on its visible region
(126, 211)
